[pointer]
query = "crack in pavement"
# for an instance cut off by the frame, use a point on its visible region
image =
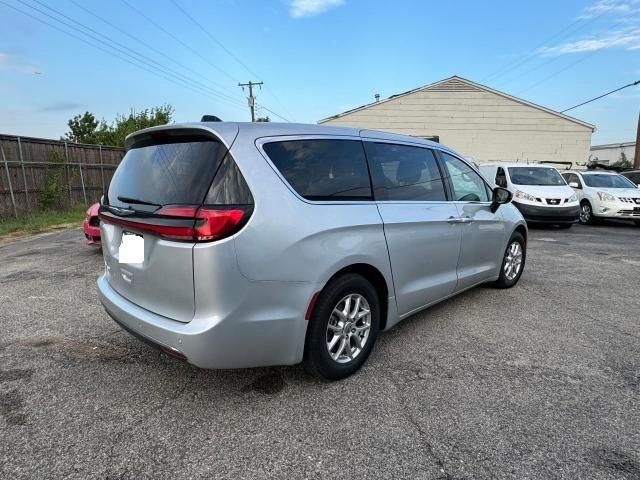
(421, 433)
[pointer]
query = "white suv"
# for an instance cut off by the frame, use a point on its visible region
(605, 195)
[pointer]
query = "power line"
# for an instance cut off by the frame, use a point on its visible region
(229, 52)
(558, 72)
(272, 112)
(167, 32)
(218, 42)
(125, 49)
(195, 52)
(109, 52)
(637, 82)
(142, 42)
(564, 32)
(553, 59)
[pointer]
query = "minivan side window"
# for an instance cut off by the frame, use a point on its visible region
(319, 169)
(467, 185)
(404, 173)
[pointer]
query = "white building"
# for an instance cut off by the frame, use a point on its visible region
(613, 152)
(477, 121)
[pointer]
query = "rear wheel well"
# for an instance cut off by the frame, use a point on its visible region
(373, 275)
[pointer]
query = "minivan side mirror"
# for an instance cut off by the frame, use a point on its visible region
(500, 196)
(574, 185)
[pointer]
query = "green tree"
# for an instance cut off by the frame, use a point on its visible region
(114, 133)
(82, 128)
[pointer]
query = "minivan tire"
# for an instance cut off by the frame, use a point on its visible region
(504, 281)
(317, 360)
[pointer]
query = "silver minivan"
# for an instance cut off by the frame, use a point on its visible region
(233, 245)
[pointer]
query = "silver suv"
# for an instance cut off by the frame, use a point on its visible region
(239, 245)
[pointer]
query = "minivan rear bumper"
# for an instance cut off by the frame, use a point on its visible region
(260, 333)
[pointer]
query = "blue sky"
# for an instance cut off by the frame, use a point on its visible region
(316, 57)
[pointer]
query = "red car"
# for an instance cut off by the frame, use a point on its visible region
(91, 225)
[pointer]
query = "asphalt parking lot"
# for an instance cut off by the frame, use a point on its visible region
(540, 381)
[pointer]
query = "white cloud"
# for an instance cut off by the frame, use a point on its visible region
(10, 62)
(610, 6)
(628, 39)
(623, 30)
(308, 8)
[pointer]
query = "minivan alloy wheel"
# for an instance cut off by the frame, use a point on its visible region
(513, 260)
(348, 328)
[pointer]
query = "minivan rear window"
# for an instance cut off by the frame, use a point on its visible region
(165, 174)
(323, 169)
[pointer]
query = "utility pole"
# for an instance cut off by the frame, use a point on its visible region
(636, 158)
(251, 98)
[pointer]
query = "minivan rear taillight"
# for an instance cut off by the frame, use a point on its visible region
(187, 222)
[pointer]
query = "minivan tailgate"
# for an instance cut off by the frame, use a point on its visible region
(155, 192)
(162, 283)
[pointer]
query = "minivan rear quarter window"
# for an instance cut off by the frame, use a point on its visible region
(322, 169)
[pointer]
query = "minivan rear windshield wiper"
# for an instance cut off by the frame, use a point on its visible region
(137, 201)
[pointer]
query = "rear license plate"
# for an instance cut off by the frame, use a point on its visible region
(131, 248)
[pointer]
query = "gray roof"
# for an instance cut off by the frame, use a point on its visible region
(227, 131)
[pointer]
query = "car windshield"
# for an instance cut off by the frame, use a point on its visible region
(535, 176)
(604, 180)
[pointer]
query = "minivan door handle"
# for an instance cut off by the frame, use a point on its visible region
(460, 220)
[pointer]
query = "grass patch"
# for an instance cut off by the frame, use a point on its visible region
(39, 221)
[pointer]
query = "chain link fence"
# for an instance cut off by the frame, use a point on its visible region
(40, 174)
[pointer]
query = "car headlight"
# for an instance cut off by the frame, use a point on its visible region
(573, 198)
(525, 196)
(606, 197)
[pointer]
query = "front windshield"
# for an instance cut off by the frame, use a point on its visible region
(602, 180)
(535, 176)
